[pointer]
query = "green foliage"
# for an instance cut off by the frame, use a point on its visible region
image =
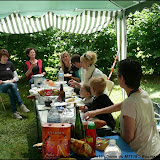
(144, 37)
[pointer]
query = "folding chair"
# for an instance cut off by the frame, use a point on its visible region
(2, 103)
(110, 85)
(157, 114)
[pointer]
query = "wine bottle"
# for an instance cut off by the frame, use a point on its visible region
(61, 97)
(79, 129)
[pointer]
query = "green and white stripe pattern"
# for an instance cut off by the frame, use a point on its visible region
(85, 23)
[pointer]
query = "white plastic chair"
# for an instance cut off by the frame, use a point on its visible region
(2, 103)
(110, 85)
(157, 114)
(156, 111)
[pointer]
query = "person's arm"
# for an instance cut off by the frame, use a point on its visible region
(1, 82)
(30, 69)
(129, 127)
(15, 77)
(43, 70)
(75, 78)
(74, 83)
(113, 108)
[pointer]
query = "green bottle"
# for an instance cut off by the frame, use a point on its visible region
(79, 129)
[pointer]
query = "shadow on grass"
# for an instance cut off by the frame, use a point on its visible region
(32, 138)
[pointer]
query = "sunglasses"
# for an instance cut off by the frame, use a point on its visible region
(85, 56)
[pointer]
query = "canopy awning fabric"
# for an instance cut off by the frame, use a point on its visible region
(85, 23)
(19, 17)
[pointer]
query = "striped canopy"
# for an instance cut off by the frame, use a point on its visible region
(84, 23)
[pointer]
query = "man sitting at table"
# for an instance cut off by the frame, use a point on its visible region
(101, 100)
(79, 72)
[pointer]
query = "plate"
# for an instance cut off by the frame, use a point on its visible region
(37, 75)
(67, 75)
(7, 81)
(59, 104)
(60, 82)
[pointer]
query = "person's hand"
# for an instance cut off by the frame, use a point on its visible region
(73, 83)
(1, 82)
(13, 81)
(33, 64)
(89, 114)
(83, 108)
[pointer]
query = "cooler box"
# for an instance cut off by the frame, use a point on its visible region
(56, 140)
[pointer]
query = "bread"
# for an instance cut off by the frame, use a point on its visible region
(41, 92)
(71, 100)
(55, 92)
(101, 143)
(81, 148)
(51, 83)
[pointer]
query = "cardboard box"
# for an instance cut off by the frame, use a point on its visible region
(56, 140)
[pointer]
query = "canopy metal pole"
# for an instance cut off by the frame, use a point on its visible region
(122, 40)
(124, 44)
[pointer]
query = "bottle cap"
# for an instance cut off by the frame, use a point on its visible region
(112, 141)
(91, 125)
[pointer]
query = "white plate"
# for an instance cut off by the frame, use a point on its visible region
(60, 82)
(67, 75)
(59, 104)
(7, 81)
(37, 75)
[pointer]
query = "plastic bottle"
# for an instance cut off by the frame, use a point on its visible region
(79, 129)
(53, 116)
(112, 151)
(61, 75)
(91, 135)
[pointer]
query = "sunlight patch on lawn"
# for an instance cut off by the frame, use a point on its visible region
(155, 95)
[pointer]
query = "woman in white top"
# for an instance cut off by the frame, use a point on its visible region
(88, 61)
(137, 125)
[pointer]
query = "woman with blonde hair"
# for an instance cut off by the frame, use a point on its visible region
(65, 64)
(88, 61)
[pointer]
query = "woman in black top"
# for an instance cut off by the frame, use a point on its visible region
(8, 79)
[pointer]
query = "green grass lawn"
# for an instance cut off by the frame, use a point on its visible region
(18, 136)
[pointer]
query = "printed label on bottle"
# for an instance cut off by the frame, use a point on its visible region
(61, 74)
(89, 139)
(48, 92)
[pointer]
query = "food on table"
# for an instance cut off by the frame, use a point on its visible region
(55, 92)
(67, 75)
(51, 83)
(81, 148)
(41, 92)
(74, 94)
(101, 143)
(98, 123)
(31, 97)
(71, 100)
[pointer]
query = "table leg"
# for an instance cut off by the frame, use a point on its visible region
(34, 102)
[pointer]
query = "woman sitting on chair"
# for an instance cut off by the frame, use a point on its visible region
(33, 66)
(88, 61)
(8, 79)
